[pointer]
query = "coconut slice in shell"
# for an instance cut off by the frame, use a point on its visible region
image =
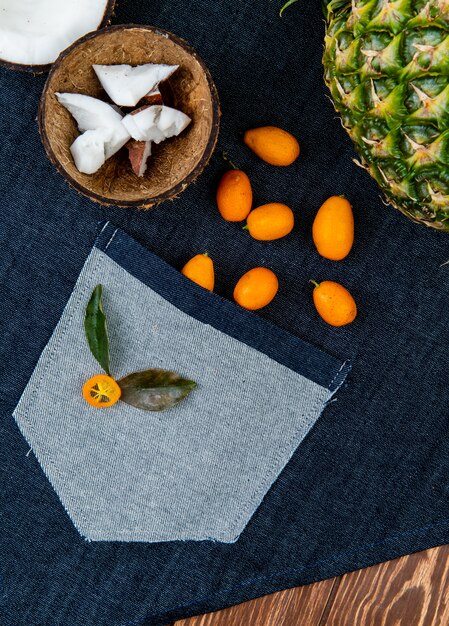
(138, 152)
(172, 122)
(89, 150)
(155, 123)
(127, 85)
(32, 34)
(93, 114)
(149, 122)
(90, 113)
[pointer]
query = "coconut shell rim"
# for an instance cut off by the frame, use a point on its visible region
(41, 69)
(171, 193)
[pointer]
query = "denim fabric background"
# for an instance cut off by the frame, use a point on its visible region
(371, 481)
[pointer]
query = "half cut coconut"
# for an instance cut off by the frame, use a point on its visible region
(33, 34)
(175, 162)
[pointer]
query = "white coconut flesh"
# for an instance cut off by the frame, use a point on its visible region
(155, 123)
(105, 130)
(89, 150)
(92, 114)
(35, 32)
(126, 85)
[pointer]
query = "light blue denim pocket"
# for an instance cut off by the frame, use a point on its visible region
(201, 469)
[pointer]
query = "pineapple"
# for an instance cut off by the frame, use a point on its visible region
(387, 67)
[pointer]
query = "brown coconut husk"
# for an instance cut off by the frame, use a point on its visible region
(175, 163)
(40, 69)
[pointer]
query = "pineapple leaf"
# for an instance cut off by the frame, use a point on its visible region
(286, 5)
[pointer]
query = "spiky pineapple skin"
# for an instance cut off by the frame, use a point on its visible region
(387, 67)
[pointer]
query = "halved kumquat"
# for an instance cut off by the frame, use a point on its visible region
(101, 391)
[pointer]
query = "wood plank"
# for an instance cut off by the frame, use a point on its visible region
(300, 606)
(411, 591)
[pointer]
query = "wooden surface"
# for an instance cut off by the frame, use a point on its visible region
(411, 591)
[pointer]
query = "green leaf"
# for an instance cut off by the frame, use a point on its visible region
(154, 389)
(286, 5)
(96, 329)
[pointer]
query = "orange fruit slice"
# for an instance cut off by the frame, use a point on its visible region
(101, 391)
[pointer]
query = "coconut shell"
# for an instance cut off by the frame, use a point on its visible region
(40, 69)
(176, 162)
